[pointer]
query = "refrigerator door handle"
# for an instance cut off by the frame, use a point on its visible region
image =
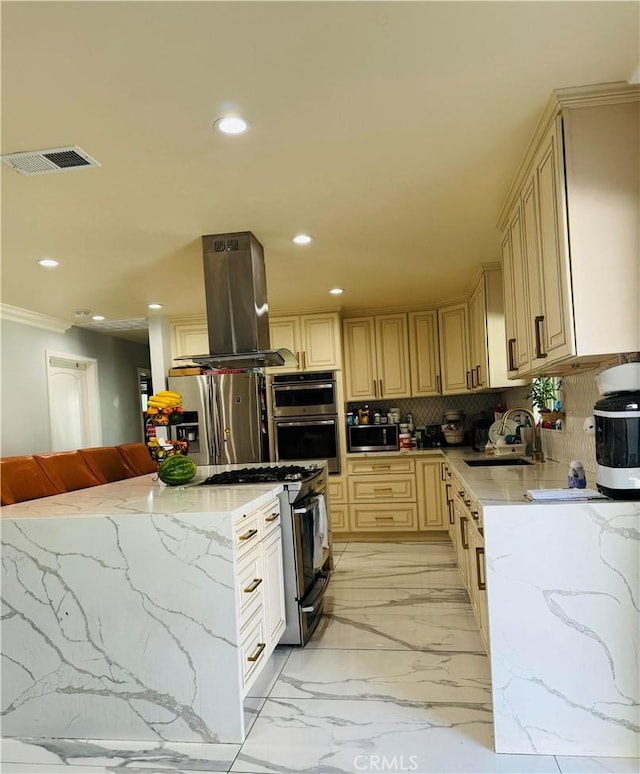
(214, 421)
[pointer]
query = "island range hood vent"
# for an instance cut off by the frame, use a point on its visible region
(237, 310)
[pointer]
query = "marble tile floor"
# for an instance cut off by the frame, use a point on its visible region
(395, 680)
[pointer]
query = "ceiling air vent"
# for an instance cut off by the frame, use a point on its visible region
(49, 160)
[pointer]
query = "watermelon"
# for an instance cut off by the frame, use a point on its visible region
(177, 469)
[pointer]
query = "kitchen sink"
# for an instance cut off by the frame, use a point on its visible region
(497, 462)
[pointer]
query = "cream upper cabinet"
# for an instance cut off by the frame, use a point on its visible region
(570, 239)
(189, 337)
(377, 357)
(313, 338)
(454, 349)
(487, 332)
(424, 356)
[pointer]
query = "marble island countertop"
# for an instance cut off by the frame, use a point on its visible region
(145, 495)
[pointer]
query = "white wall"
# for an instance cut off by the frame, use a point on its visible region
(24, 420)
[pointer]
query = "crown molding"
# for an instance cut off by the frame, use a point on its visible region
(34, 319)
(559, 101)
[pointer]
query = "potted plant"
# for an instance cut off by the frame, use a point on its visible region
(543, 396)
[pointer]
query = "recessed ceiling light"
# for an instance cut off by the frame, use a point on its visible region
(154, 306)
(48, 263)
(302, 239)
(336, 291)
(231, 125)
(97, 317)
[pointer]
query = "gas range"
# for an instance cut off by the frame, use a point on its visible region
(298, 480)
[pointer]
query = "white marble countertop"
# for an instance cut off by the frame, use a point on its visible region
(147, 495)
(492, 485)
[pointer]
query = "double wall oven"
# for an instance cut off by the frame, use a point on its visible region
(305, 417)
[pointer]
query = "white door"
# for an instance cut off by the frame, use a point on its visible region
(73, 402)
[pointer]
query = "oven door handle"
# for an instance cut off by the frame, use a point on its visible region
(316, 595)
(304, 423)
(287, 387)
(309, 507)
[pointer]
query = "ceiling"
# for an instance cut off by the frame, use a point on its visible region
(389, 131)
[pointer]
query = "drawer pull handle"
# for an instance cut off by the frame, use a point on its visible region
(511, 357)
(538, 334)
(273, 517)
(248, 535)
(258, 653)
(463, 532)
(383, 489)
(482, 584)
(475, 515)
(461, 492)
(381, 467)
(253, 585)
(383, 518)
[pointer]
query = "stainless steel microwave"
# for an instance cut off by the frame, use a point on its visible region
(372, 438)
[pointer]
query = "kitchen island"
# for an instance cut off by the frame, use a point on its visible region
(561, 593)
(120, 612)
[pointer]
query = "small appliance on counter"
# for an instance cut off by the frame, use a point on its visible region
(453, 427)
(372, 438)
(617, 420)
(433, 437)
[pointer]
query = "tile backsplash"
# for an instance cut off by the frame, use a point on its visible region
(570, 443)
(428, 411)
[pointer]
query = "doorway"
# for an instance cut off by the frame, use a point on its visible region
(74, 408)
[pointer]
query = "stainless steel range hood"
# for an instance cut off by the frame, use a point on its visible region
(237, 310)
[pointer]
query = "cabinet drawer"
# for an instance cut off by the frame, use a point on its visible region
(382, 488)
(270, 516)
(384, 518)
(337, 491)
(386, 465)
(250, 584)
(247, 533)
(340, 517)
(253, 648)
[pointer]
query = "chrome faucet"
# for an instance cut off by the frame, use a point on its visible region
(536, 447)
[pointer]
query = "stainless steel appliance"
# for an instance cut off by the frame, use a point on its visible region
(371, 438)
(306, 570)
(237, 309)
(304, 394)
(224, 417)
(305, 423)
(617, 419)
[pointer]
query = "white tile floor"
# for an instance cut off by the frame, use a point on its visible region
(395, 680)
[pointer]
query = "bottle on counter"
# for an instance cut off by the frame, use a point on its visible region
(412, 427)
(577, 477)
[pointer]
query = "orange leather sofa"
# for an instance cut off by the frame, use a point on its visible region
(107, 462)
(137, 457)
(21, 478)
(68, 470)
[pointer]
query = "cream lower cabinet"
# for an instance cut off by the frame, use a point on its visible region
(259, 588)
(315, 339)
(395, 495)
(572, 214)
(376, 357)
(431, 514)
(467, 537)
(338, 504)
(382, 495)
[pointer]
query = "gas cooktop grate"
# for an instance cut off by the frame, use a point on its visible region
(261, 475)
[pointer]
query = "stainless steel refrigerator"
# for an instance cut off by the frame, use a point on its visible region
(224, 417)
